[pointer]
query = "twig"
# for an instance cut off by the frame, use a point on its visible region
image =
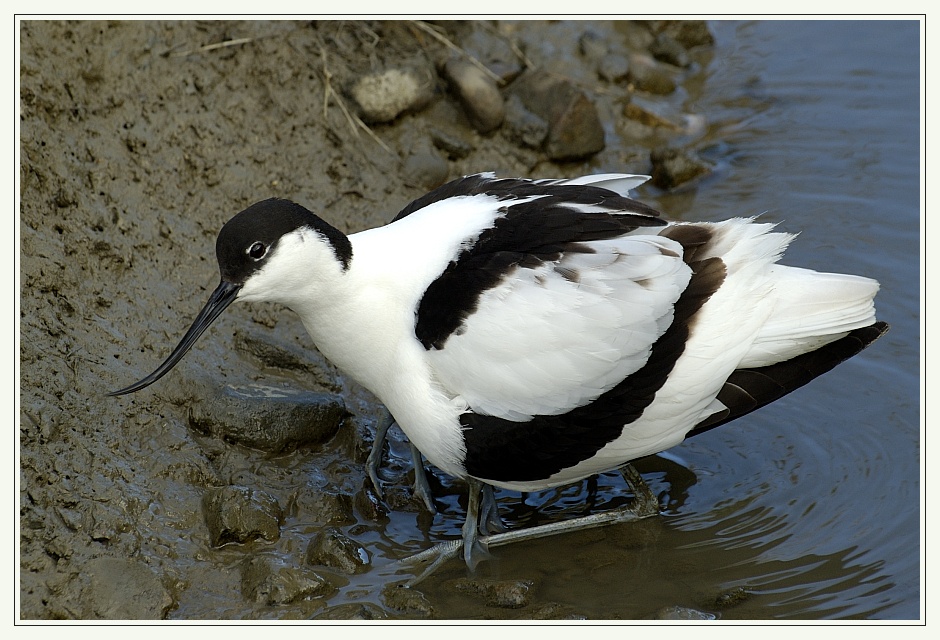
(513, 46)
(428, 29)
(353, 120)
(212, 47)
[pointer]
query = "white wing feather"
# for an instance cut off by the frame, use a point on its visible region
(549, 339)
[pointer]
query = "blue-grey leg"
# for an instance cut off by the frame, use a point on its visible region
(374, 460)
(490, 522)
(421, 487)
(475, 547)
(473, 550)
(645, 503)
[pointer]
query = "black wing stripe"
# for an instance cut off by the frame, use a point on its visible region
(750, 389)
(517, 188)
(501, 450)
(526, 235)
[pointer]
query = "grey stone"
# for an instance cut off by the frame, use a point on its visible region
(613, 67)
(688, 33)
(385, 95)
(666, 49)
(523, 126)
(478, 94)
(676, 612)
(494, 52)
(332, 548)
(239, 514)
(575, 130)
(592, 46)
(425, 169)
(272, 419)
(352, 611)
(673, 167)
(270, 581)
(651, 76)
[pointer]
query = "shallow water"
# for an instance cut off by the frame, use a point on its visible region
(811, 506)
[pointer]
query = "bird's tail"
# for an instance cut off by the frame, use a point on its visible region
(750, 389)
(811, 309)
(814, 320)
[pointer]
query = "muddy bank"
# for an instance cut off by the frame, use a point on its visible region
(235, 487)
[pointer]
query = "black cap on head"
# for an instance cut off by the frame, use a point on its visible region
(244, 242)
(252, 235)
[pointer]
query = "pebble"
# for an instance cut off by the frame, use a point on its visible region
(732, 598)
(688, 33)
(330, 547)
(271, 581)
(453, 144)
(676, 612)
(240, 514)
(673, 167)
(647, 117)
(523, 126)
(352, 611)
(505, 594)
(478, 94)
(613, 67)
(410, 602)
(425, 169)
(574, 128)
(383, 96)
(370, 506)
(651, 76)
(592, 45)
(494, 52)
(666, 49)
(315, 504)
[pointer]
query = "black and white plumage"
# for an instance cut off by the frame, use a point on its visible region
(529, 334)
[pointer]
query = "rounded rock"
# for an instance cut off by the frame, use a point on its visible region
(239, 514)
(478, 94)
(332, 548)
(673, 167)
(382, 97)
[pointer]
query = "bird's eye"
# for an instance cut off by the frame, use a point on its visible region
(257, 251)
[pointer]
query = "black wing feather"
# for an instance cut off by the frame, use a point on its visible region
(750, 389)
(527, 234)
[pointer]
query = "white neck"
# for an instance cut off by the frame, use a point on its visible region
(363, 318)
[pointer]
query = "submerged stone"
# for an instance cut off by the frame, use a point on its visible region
(352, 611)
(408, 601)
(651, 76)
(505, 594)
(673, 167)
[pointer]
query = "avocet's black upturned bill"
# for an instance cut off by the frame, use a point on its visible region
(528, 334)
